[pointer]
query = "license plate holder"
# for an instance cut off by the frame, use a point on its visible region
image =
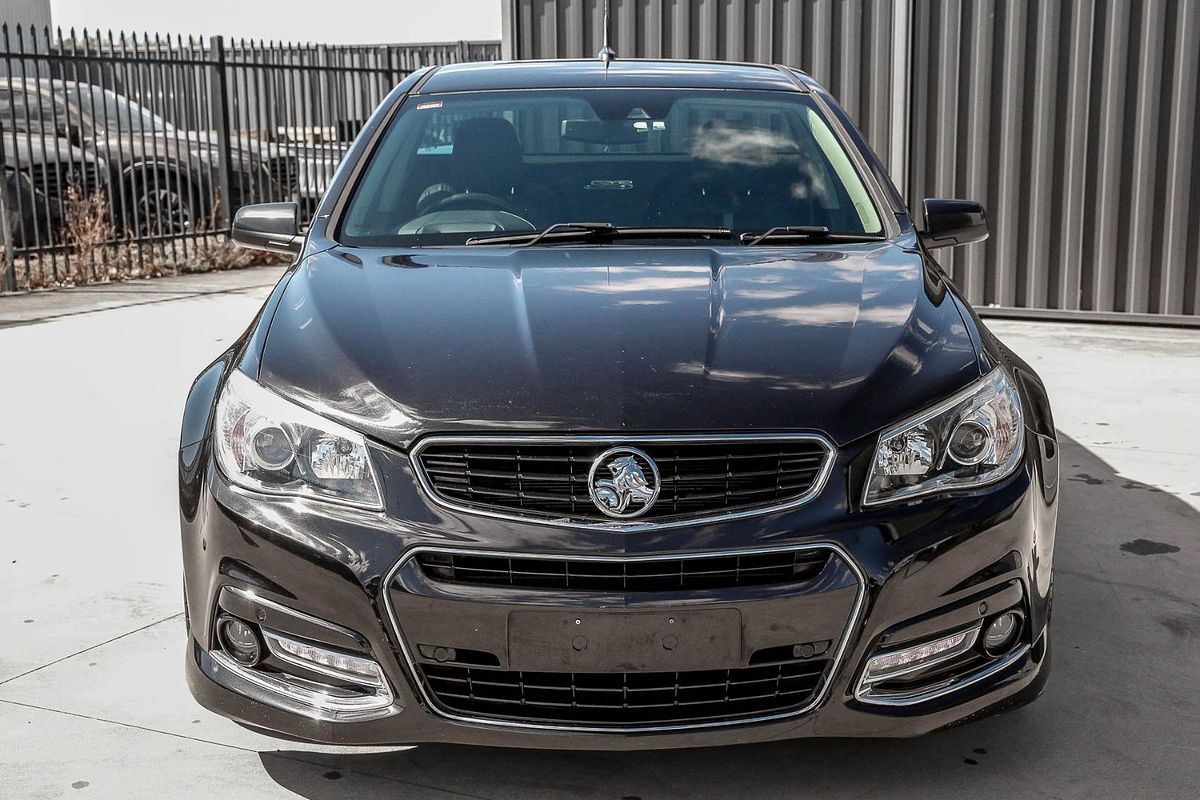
(624, 641)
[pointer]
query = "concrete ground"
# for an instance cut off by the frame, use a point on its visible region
(92, 698)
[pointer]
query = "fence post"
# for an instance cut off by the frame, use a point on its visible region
(393, 73)
(221, 113)
(900, 101)
(8, 281)
(510, 30)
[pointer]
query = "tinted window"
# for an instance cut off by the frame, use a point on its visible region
(112, 112)
(24, 111)
(457, 165)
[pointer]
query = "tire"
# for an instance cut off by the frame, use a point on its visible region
(23, 204)
(161, 206)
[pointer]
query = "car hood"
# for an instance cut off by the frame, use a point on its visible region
(397, 344)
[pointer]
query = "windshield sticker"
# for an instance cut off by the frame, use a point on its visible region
(431, 104)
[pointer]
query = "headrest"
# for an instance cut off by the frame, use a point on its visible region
(487, 156)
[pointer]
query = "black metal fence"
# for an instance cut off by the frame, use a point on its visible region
(127, 154)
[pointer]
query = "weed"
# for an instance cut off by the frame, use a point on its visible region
(87, 231)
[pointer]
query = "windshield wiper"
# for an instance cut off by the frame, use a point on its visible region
(568, 232)
(805, 233)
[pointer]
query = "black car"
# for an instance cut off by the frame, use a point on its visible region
(159, 180)
(615, 406)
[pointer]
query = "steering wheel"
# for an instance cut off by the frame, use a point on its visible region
(473, 200)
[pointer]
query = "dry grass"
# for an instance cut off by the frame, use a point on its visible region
(96, 252)
(87, 231)
(214, 254)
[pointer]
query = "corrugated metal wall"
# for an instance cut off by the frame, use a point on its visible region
(1073, 120)
(846, 44)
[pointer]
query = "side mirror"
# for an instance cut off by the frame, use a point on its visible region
(269, 226)
(950, 223)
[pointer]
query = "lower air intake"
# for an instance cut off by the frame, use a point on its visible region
(621, 699)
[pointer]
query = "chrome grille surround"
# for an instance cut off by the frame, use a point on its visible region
(602, 441)
(837, 663)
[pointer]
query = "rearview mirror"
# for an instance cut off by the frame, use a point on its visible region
(610, 131)
(274, 227)
(950, 223)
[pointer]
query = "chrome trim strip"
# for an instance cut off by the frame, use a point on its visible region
(864, 695)
(294, 698)
(606, 439)
(835, 667)
(253, 597)
(963, 647)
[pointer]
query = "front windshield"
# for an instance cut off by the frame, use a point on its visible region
(455, 166)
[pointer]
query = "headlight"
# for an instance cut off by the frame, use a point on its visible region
(974, 438)
(269, 444)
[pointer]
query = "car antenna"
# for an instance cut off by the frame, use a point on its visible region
(606, 54)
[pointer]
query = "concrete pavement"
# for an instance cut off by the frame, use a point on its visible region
(92, 699)
(40, 306)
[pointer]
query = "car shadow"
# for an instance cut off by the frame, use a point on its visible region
(1120, 714)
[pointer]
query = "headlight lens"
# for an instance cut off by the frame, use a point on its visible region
(974, 438)
(269, 444)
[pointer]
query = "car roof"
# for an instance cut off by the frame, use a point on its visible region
(623, 73)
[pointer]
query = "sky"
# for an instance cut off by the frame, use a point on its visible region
(325, 21)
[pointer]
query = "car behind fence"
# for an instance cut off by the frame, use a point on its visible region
(130, 152)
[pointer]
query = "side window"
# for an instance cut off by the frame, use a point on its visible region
(847, 175)
(24, 112)
(112, 113)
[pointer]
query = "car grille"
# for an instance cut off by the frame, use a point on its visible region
(636, 575)
(285, 172)
(698, 478)
(624, 698)
(52, 180)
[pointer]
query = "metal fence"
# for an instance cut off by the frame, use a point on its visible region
(129, 153)
(1074, 121)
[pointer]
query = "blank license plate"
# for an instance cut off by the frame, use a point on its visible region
(624, 641)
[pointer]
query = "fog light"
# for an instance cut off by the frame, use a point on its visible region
(910, 659)
(239, 640)
(1001, 632)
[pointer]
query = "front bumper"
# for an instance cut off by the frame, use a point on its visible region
(895, 575)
